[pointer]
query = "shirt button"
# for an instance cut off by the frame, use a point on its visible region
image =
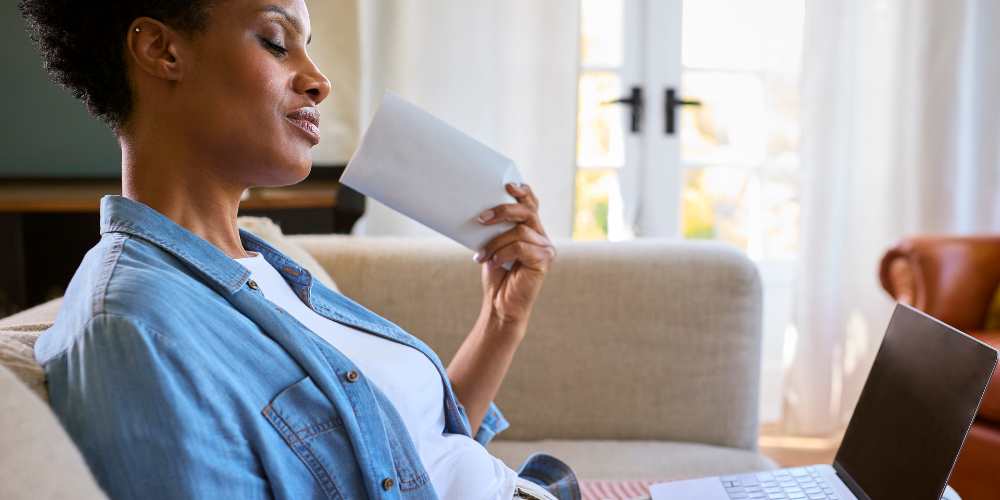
(388, 483)
(252, 284)
(352, 376)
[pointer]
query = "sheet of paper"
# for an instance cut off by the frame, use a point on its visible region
(420, 166)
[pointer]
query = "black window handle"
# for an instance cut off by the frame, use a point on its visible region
(637, 104)
(670, 109)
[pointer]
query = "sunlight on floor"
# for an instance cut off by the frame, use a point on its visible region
(793, 451)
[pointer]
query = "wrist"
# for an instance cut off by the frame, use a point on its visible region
(499, 325)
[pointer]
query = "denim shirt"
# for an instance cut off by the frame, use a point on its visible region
(176, 378)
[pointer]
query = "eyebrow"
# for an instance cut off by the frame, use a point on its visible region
(292, 20)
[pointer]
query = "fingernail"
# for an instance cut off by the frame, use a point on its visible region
(478, 256)
(517, 185)
(486, 216)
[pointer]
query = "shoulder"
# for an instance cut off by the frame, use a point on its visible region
(132, 281)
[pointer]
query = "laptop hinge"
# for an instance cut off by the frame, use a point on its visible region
(849, 482)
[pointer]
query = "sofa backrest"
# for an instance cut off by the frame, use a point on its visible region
(37, 457)
(650, 339)
(654, 340)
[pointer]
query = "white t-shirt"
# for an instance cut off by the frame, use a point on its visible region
(459, 467)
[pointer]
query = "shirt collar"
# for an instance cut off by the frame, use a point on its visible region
(123, 215)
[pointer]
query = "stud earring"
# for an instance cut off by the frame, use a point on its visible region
(137, 30)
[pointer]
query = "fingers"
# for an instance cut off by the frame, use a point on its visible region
(530, 256)
(521, 232)
(523, 194)
(523, 212)
(517, 213)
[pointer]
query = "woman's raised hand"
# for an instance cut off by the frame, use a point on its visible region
(479, 366)
(511, 294)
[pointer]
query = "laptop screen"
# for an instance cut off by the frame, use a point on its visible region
(915, 410)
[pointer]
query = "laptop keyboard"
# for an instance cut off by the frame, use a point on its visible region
(800, 483)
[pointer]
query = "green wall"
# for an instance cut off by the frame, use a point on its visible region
(44, 131)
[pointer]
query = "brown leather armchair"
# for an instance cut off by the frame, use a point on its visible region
(954, 279)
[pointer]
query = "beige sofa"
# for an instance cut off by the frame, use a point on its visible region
(641, 362)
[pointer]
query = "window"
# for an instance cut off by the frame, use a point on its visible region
(739, 149)
(600, 137)
(738, 163)
(730, 170)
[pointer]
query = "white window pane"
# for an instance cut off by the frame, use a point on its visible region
(721, 203)
(600, 137)
(731, 125)
(598, 205)
(783, 33)
(783, 119)
(601, 32)
(723, 34)
(780, 211)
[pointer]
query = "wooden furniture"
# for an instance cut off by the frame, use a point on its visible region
(953, 279)
(43, 196)
(48, 225)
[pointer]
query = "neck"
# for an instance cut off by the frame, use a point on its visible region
(185, 187)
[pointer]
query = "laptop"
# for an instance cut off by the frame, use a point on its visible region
(910, 423)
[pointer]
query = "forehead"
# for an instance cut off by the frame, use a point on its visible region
(250, 10)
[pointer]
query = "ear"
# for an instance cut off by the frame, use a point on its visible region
(156, 48)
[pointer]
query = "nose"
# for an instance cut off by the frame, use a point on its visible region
(311, 82)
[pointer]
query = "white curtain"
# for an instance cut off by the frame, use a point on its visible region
(901, 135)
(504, 71)
(335, 48)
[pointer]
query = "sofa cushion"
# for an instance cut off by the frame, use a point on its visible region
(636, 459)
(37, 460)
(668, 330)
(17, 341)
(38, 315)
(18, 356)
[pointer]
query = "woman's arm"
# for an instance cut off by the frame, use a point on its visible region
(481, 363)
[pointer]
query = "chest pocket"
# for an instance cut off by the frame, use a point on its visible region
(310, 426)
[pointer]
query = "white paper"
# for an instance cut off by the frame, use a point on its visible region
(420, 166)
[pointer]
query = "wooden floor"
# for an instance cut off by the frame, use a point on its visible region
(791, 451)
(794, 457)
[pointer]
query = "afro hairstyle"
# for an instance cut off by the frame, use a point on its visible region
(83, 45)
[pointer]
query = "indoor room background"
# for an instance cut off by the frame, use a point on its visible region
(809, 134)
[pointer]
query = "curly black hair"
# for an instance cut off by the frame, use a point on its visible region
(82, 45)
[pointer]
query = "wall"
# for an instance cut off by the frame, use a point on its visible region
(44, 131)
(503, 71)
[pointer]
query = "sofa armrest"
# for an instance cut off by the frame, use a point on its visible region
(950, 278)
(989, 409)
(653, 340)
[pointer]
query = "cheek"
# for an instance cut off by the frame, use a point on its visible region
(235, 110)
(254, 90)
(270, 133)
(251, 95)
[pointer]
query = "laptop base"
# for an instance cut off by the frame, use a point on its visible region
(816, 482)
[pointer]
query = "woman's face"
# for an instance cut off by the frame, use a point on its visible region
(250, 91)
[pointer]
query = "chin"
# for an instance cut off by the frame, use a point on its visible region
(297, 161)
(301, 172)
(292, 173)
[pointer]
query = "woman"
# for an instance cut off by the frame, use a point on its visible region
(190, 360)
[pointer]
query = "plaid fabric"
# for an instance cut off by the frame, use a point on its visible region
(616, 490)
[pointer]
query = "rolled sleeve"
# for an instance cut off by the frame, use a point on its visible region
(493, 423)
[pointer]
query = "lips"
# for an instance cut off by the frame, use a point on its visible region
(307, 120)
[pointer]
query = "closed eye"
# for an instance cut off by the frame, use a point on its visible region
(276, 49)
